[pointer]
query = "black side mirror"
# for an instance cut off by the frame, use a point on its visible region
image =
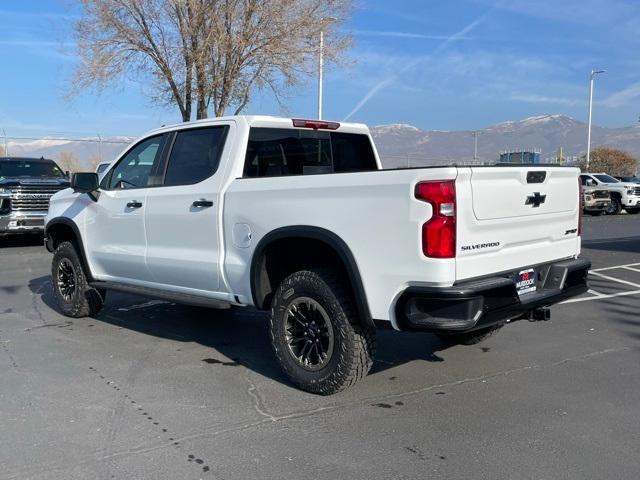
(84, 182)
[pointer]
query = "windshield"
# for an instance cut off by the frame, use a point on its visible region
(606, 178)
(26, 168)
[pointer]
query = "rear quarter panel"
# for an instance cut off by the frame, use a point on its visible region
(374, 213)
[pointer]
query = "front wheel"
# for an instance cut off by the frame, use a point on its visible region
(633, 211)
(316, 334)
(614, 207)
(75, 297)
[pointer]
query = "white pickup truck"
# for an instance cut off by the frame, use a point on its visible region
(297, 217)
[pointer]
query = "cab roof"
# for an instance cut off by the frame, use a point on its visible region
(263, 121)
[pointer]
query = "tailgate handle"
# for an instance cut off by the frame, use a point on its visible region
(536, 177)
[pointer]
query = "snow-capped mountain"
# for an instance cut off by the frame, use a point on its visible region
(401, 144)
(87, 151)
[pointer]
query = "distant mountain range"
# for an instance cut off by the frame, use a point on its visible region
(86, 151)
(401, 145)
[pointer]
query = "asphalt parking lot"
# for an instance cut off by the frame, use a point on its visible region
(149, 389)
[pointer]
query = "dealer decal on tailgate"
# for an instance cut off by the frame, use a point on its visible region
(526, 281)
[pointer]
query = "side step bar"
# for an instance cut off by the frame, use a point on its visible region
(177, 297)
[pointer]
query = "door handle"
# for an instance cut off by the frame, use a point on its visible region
(202, 203)
(134, 204)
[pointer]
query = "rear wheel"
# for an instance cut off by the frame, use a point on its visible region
(614, 207)
(316, 334)
(75, 297)
(470, 338)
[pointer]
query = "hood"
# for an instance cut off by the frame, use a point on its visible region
(619, 185)
(7, 182)
(594, 190)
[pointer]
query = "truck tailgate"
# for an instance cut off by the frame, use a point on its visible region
(515, 217)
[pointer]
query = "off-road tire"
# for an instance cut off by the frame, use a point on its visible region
(85, 301)
(354, 345)
(470, 338)
(615, 208)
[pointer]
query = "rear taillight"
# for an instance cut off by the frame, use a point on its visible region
(580, 206)
(439, 232)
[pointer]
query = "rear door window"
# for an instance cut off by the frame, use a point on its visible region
(195, 155)
(274, 152)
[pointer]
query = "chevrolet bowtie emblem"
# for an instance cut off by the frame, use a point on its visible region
(536, 199)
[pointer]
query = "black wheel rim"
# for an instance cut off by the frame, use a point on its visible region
(613, 206)
(309, 333)
(66, 280)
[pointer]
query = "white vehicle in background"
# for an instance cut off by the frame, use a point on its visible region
(102, 168)
(297, 218)
(624, 195)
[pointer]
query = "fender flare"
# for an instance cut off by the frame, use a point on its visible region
(67, 222)
(334, 242)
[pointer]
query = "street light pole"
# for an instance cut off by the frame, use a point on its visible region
(594, 72)
(323, 22)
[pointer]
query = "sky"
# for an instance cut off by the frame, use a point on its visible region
(438, 65)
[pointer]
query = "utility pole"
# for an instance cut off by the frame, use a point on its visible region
(323, 21)
(594, 72)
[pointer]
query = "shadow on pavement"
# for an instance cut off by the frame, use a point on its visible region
(624, 244)
(239, 334)
(21, 240)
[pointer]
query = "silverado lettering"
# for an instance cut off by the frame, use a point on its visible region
(479, 246)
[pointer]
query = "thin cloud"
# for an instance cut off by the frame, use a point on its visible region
(36, 14)
(446, 42)
(411, 35)
(623, 97)
(571, 102)
(36, 43)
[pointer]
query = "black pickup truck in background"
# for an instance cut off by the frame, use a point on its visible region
(26, 184)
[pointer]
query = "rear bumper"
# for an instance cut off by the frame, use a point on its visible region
(476, 304)
(17, 222)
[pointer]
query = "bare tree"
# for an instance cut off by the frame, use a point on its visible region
(69, 162)
(214, 53)
(612, 161)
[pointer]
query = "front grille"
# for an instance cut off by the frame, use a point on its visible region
(636, 190)
(601, 194)
(32, 198)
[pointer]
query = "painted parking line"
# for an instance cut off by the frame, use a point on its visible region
(595, 295)
(613, 279)
(616, 266)
(602, 297)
